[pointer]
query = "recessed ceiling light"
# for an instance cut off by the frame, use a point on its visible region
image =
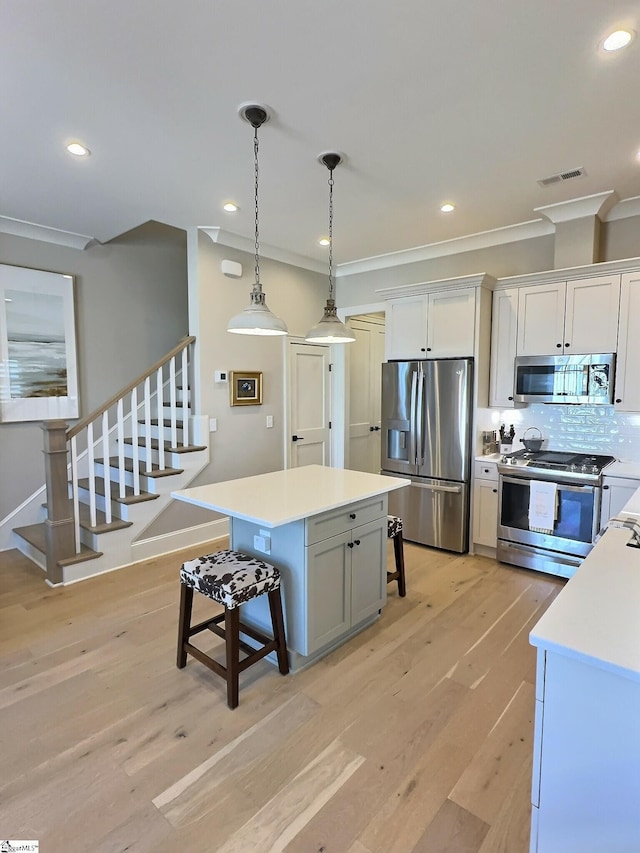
(618, 40)
(78, 150)
(324, 241)
(230, 206)
(447, 207)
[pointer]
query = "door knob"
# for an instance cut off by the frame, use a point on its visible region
(297, 438)
(376, 429)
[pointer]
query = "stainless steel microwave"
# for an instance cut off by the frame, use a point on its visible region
(564, 378)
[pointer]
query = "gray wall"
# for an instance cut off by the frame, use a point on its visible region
(131, 309)
(242, 445)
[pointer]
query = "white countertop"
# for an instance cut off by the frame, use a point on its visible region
(284, 496)
(596, 617)
(623, 469)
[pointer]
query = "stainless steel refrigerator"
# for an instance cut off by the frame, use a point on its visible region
(426, 436)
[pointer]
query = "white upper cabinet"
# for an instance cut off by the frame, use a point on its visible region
(627, 390)
(541, 319)
(504, 334)
(591, 315)
(578, 316)
(440, 324)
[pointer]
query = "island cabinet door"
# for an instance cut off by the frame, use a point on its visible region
(368, 569)
(328, 590)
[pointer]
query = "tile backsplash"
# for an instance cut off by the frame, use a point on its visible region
(599, 429)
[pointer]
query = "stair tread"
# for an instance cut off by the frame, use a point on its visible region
(35, 535)
(190, 448)
(114, 462)
(101, 521)
(129, 498)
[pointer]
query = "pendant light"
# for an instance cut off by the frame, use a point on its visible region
(330, 330)
(256, 319)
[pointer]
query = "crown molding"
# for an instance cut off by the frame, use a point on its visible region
(243, 244)
(480, 279)
(570, 273)
(19, 228)
(624, 209)
(598, 205)
(482, 240)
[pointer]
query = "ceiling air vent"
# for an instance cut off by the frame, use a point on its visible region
(563, 176)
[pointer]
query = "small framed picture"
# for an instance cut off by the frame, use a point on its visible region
(246, 387)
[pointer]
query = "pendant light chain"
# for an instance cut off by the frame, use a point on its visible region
(257, 243)
(331, 234)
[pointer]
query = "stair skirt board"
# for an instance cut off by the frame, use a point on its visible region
(147, 549)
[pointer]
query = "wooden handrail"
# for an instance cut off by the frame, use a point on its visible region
(77, 428)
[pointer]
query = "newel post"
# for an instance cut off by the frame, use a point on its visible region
(59, 525)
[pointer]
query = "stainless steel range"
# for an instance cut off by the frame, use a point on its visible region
(566, 488)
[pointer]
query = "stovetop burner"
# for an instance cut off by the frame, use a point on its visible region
(570, 465)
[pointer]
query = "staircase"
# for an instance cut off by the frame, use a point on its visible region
(111, 474)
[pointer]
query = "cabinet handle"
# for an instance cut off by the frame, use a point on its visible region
(349, 544)
(567, 345)
(605, 487)
(357, 541)
(495, 491)
(428, 349)
(422, 349)
(618, 400)
(509, 398)
(352, 515)
(559, 346)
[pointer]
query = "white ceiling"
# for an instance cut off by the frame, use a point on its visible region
(430, 100)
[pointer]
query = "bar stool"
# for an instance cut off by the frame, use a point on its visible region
(394, 531)
(231, 578)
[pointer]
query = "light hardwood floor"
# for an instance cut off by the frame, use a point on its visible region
(414, 736)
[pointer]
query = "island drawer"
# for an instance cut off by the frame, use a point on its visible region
(339, 520)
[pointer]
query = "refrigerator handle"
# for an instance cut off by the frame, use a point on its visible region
(420, 420)
(414, 421)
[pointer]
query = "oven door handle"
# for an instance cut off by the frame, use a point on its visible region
(565, 487)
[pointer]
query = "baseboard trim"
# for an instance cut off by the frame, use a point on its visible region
(176, 540)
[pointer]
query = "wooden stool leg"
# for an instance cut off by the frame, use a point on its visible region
(277, 620)
(232, 641)
(184, 623)
(398, 549)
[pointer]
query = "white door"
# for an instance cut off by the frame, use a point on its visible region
(310, 405)
(365, 356)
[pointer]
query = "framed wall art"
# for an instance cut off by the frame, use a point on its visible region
(38, 364)
(246, 387)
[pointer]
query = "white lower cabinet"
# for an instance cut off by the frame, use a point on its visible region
(616, 491)
(485, 504)
(586, 783)
(333, 569)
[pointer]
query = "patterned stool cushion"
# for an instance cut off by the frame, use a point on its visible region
(230, 577)
(394, 526)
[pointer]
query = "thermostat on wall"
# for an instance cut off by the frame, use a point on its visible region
(221, 376)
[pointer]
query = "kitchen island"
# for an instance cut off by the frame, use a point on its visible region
(586, 763)
(326, 531)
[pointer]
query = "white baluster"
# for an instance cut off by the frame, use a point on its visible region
(107, 475)
(160, 419)
(185, 408)
(147, 424)
(74, 489)
(92, 476)
(120, 434)
(134, 439)
(172, 402)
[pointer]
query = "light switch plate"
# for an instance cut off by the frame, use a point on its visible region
(213, 425)
(269, 421)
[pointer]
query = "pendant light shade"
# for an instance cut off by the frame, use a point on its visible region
(256, 319)
(330, 330)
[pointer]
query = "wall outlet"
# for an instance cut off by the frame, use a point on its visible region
(262, 542)
(213, 425)
(269, 421)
